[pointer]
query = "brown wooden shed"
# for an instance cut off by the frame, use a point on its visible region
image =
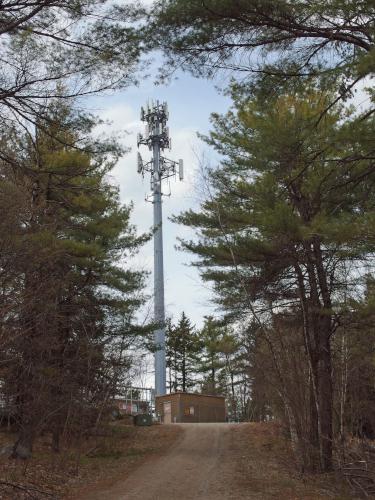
(183, 407)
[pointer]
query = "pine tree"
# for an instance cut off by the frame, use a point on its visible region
(288, 205)
(272, 44)
(172, 356)
(288, 39)
(183, 347)
(71, 302)
(211, 362)
(234, 371)
(62, 49)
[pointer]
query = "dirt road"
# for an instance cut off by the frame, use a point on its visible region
(219, 462)
(197, 466)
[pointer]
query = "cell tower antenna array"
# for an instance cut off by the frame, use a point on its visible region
(157, 139)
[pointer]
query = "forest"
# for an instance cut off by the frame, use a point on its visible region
(284, 234)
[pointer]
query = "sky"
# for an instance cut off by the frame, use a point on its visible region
(190, 102)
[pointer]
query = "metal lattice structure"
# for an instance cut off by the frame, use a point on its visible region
(160, 168)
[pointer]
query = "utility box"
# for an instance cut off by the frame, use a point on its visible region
(143, 419)
(183, 407)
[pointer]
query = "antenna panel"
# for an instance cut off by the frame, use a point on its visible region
(140, 164)
(181, 169)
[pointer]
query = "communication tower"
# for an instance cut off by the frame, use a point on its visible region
(157, 139)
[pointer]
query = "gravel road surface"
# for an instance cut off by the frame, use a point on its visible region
(198, 466)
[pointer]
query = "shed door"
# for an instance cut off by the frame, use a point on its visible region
(167, 412)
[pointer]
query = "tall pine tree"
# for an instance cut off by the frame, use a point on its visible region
(290, 202)
(70, 299)
(183, 347)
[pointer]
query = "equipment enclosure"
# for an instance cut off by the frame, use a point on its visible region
(182, 407)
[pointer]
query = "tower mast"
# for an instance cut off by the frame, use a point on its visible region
(157, 139)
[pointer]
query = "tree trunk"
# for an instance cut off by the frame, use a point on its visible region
(234, 403)
(343, 384)
(170, 379)
(314, 418)
(325, 361)
(325, 403)
(317, 330)
(183, 373)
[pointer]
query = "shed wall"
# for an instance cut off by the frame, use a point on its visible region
(192, 408)
(173, 399)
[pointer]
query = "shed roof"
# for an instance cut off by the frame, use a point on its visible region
(181, 393)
